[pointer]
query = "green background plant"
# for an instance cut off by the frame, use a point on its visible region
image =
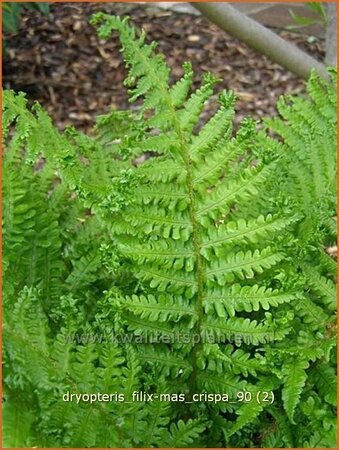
(11, 13)
(317, 8)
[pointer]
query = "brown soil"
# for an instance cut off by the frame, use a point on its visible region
(60, 62)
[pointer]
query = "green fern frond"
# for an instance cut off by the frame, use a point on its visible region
(325, 379)
(245, 298)
(167, 363)
(231, 233)
(243, 330)
(243, 265)
(323, 287)
(216, 128)
(182, 434)
(294, 381)
(15, 412)
(162, 309)
(311, 313)
(309, 132)
(220, 200)
(169, 254)
(158, 419)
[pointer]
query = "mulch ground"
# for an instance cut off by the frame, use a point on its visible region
(60, 62)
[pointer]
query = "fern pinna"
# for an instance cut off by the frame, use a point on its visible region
(196, 259)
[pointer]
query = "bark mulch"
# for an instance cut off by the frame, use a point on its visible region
(60, 62)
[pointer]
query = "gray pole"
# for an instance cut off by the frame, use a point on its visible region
(331, 34)
(261, 38)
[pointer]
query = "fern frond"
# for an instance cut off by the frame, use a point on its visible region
(294, 381)
(220, 200)
(171, 281)
(158, 419)
(325, 379)
(243, 265)
(183, 434)
(142, 327)
(228, 360)
(214, 383)
(176, 256)
(244, 298)
(209, 170)
(84, 270)
(216, 128)
(322, 286)
(308, 127)
(190, 113)
(243, 330)
(247, 413)
(231, 233)
(180, 90)
(14, 411)
(328, 263)
(311, 313)
(140, 259)
(162, 309)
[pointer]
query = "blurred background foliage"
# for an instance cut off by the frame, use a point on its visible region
(11, 14)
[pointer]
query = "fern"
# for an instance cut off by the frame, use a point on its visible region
(189, 274)
(295, 377)
(183, 433)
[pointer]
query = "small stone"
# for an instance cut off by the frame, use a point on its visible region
(193, 38)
